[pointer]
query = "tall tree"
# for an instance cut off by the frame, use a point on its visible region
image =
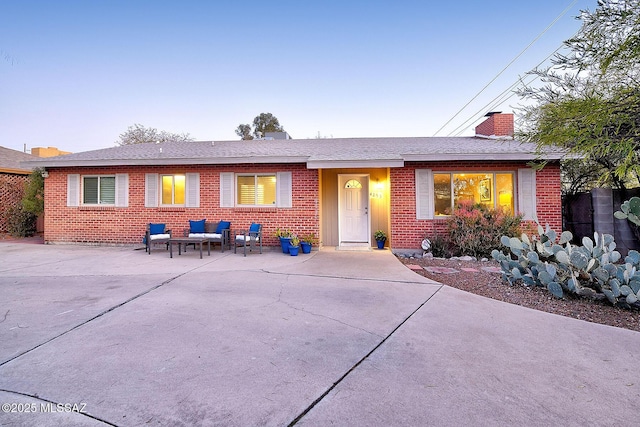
(590, 101)
(244, 132)
(138, 134)
(266, 122)
(263, 123)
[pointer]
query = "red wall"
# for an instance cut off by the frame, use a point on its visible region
(117, 225)
(127, 225)
(407, 232)
(496, 124)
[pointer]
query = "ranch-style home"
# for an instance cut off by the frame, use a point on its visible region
(341, 189)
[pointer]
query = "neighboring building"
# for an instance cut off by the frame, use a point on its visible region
(13, 179)
(341, 189)
(48, 152)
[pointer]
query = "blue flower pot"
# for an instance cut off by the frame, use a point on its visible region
(284, 244)
(380, 243)
(306, 247)
(293, 250)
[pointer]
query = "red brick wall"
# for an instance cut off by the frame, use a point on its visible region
(11, 191)
(496, 124)
(115, 225)
(407, 232)
(126, 225)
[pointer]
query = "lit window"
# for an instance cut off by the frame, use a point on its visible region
(493, 190)
(353, 183)
(256, 190)
(173, 189)
(99, 190)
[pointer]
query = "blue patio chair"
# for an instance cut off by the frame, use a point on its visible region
(156, 234)
(251, 238)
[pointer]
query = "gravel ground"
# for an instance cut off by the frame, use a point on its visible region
(491, 285)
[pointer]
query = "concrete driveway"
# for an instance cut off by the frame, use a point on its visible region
(332, 338)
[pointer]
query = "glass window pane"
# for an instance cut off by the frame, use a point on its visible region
(266, 191)
(179, 182)
(353, 183)
(504, 189)
(473, 187)
(167, 189)
(108, 190)
(246, 190)
(442, 193)
(90, 190)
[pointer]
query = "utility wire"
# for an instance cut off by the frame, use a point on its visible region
(509, 64)
(493, 103)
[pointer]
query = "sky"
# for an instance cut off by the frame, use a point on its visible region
(76, 74)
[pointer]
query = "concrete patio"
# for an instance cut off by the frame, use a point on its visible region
(331, 338)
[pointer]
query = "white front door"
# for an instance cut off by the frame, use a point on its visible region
(353, 210)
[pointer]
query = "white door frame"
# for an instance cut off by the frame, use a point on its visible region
(342, 178)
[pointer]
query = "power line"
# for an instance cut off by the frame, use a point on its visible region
(509, 64)
(494, 103)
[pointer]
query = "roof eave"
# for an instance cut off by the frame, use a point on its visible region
(443, 157)
(16, 171)
(166, 161)
(356, 164)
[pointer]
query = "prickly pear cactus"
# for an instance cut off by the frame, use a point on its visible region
(630, 210)
(591, 269)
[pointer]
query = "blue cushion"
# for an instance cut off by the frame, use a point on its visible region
(196, 226)
(254, 228)
(223, 225)
(156, 228)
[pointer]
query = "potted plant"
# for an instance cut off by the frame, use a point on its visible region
(381, 238)
(307, 241)
(285, 237)
(294, 245)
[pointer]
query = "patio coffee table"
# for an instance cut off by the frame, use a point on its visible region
(186, 241)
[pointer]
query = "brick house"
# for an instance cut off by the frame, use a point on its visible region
(341, 189)
(13, 180)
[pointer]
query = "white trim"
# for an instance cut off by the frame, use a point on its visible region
(284, 189)
(527, 193)
(173, 189)
(151, 190)
(343, 164)
(342, 179)
(192, 190)
(227, 189)
(255, 176)
(122, 190)
(424, 194)
(73, 190)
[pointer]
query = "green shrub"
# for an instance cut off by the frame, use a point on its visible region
(33, 199)
(476, 230)
(20, 223)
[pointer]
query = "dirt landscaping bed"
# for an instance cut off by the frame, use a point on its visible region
(471, 277)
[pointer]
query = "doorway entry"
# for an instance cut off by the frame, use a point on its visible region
(354, 227)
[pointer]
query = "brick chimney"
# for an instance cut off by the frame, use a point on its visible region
(497, 125)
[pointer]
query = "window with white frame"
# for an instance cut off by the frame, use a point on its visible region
(172, 190)
(437, 193)
(256, 189)
(99, 190)
(493, 190)
(166, 190)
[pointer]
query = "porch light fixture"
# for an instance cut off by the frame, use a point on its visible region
(45, 174)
